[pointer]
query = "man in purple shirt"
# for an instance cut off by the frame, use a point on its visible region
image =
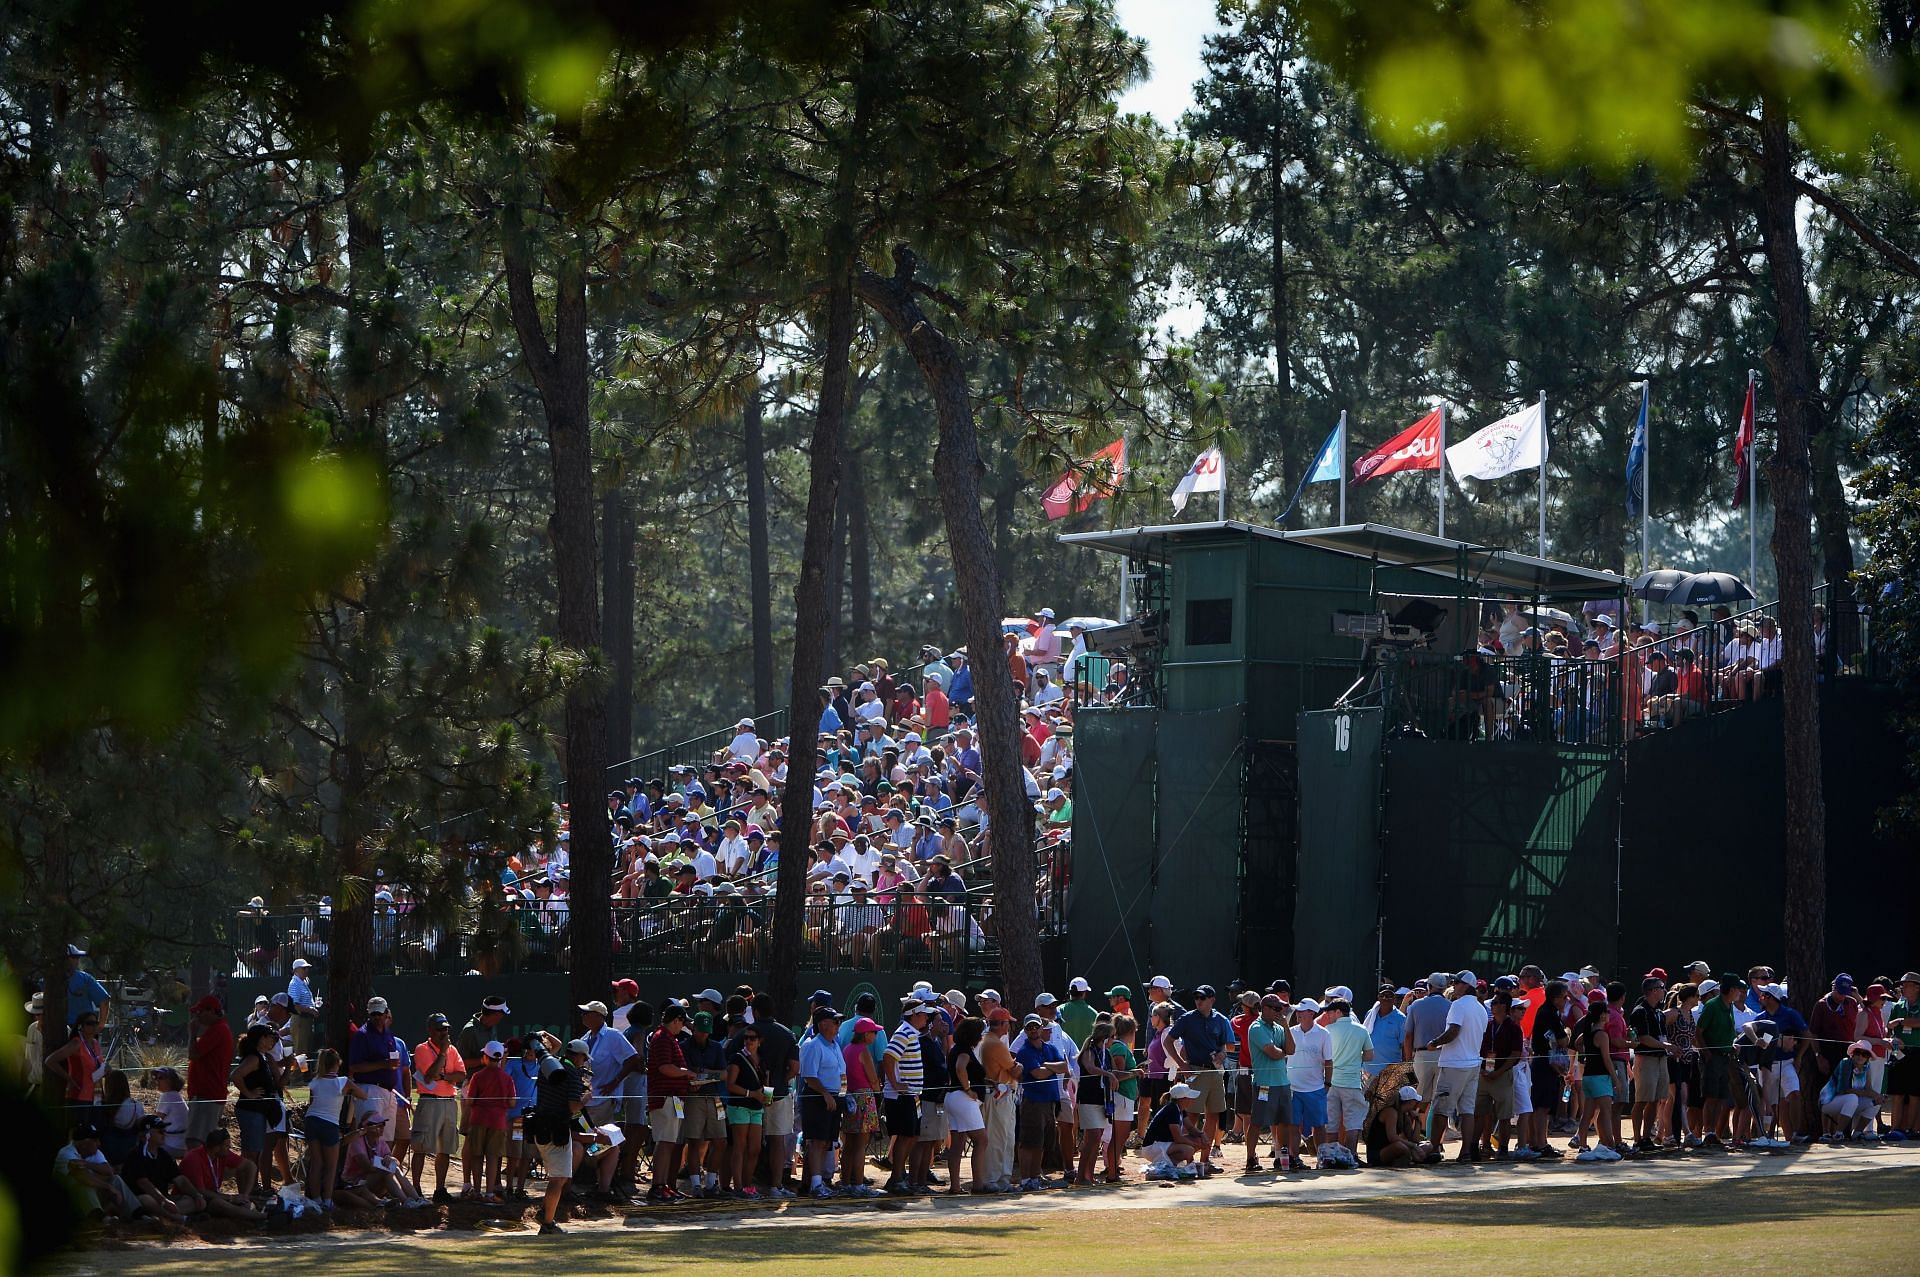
(374, 1061)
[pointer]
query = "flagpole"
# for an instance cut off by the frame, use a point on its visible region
(1342, 521)
(1646, 479)
(1543, 474)
(1442, 476)
(1753, 473)
(1223, 485)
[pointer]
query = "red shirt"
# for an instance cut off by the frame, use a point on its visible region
(209, 1061)
(1525, 1003)
(663, 1050)
(1241, 1023)
(1692, 684)
(204, 1171)
(939, 710)
(490, 1096)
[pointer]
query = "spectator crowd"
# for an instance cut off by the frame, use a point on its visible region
(718, 1096)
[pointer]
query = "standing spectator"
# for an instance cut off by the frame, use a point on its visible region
(326, 1107)
(81, 1062)
(780, 1061)
(1349, 1048)
(966, 1117)
(669, 1083)
(1594, 1042)
(614, 1061)
(35, 1060)
(1500, 1054)
(1426, 1021)
(259, 1108)
(1833, 1026)
(1780, 1082)
(491, 1096)
(1308, 1071)
(438, 1071)
(1200, 1040)
(302, 1005)
(902, 1079)
(1094, 1097)
(1459, 1060)
(1042, 1066)
(1002, 1074)
(561, 1098)
(703, 1133)
(209, 1059)
(1547, 1044)
(861, 1120)
(1647, 1028)
(1076, 1014)
(1269, 1044)
(822, 1071)
(746, 1101)
(1717, 1029)
(375, 1058)
(85, 995)
(1386, 1026)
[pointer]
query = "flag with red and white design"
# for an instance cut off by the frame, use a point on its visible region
(1098, 476)
(1743, 451)
(1206, 474)
(1415, 448)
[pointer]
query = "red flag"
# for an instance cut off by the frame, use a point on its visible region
(1743, 450)
(1415, 448)
(1098, 476)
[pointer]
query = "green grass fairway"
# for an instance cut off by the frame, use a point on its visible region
(1832, 1223)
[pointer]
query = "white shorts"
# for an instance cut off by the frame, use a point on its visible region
(1777, 1081)
(1522, 1089)
(1093, 1117)
(963, 1113)
(1124, 1108)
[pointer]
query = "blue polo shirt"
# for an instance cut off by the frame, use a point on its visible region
(84, 994)
(1389, 1035)
(1202, 1035)
(820, 1058)
(1029, 1056)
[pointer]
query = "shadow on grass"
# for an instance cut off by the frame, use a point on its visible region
(1764, 1193)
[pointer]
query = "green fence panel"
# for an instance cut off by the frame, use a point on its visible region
(1111, 894)
(1337, 906)
(1199, 773)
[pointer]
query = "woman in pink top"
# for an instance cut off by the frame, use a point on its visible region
(863, 1108)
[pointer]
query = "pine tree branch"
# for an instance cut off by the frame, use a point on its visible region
(1889, 252)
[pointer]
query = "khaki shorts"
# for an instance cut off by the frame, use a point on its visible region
(555, 1159)
(664, 1123)
(703, 1120)
(1213, 1093)
(1346, 1108)
(1496, 1096)
(1458, 1091)
(490, 1141)
(779, 1119)
(1651, 1081)
(436, 1125)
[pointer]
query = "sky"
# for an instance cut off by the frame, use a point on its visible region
(1172, 30)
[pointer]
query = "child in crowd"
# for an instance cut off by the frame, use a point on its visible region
(323, 1126)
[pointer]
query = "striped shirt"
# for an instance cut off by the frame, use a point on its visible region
(904, 1046)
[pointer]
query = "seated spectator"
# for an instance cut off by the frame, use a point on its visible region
(1739, 666)
(1766, 658)
(207, 1168)
(83, 1168)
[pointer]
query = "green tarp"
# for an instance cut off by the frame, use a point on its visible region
(1336, 908)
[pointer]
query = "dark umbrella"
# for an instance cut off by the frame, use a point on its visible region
(1708, 587)
(1656, 585)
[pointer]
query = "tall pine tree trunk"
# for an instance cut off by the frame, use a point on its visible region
(616, 589)
(837, 576)
(350, 964)
(957, 468)
(860, 553)
(1282, 327)
(759, 569)
(560, 376)
(811, 598)
(1789, 478)
(1835, 525)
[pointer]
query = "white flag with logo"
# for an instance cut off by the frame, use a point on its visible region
(1510, 444)
(1202, 476)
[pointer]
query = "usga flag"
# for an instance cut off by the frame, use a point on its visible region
(1415, 448)
(1202, 476)
(1098, 476)
(1508, 445)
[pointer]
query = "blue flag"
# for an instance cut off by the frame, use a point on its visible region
(1637, 461)
(1325, 469)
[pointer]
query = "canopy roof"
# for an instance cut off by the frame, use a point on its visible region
(1420, 551)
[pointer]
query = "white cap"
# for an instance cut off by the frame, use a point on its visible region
(376, 1006)
(1046, 614)
(1181, 1091)
(1055, 795)
(1467, 978)
(991, 995)
(494, 1049)
(1160, 982)
(1408, 1094)
(1307, 1004)
(1079, 985)
(75, 951)
(598, 1008)
(1044, 999)
(1339, 991)
(1709, 987)
(301, 964)
(745, 724)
